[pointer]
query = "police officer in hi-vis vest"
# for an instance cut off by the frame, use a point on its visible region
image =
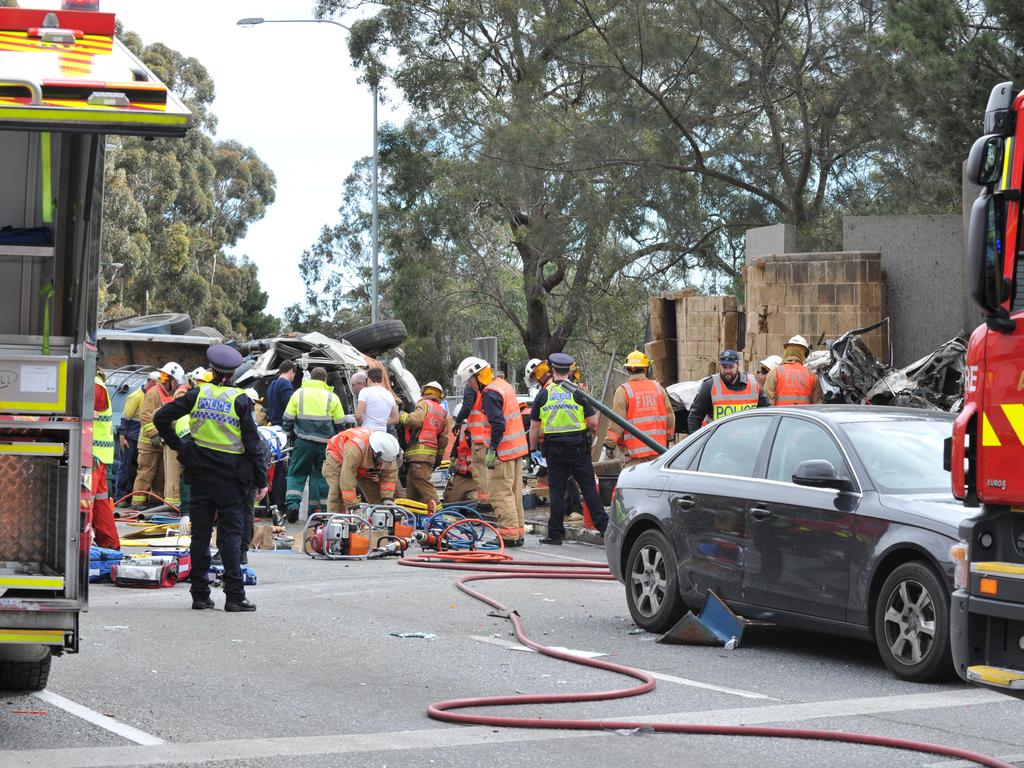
(223, 459)
(566, 422)
(728, 391)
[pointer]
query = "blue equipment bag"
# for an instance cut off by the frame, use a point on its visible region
(100, 561)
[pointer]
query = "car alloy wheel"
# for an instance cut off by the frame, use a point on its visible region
(651, 587)
(912, 624)
(648, 581)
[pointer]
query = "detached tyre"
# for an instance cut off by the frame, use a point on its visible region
(912, 624)
(168, 322)
(25, 675)
(652, 589)
(205, 331)
(377, 338)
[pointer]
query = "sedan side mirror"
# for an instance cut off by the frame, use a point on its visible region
(818, 473)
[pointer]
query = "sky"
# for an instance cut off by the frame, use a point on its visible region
(288, 91)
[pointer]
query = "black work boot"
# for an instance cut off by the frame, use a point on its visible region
(549, 540)
(242, 606)
(202, 604)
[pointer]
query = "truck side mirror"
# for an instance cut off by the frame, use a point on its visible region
(985, 162)
(985, 245)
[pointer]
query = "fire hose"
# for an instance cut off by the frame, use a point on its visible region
(498, 565)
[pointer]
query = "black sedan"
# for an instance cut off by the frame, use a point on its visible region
(831, 518)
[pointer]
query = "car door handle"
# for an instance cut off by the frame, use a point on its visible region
(684, 502)
(760, 513)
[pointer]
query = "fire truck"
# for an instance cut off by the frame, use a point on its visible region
(65, 84)
(986, 456)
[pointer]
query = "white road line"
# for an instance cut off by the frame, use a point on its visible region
(199, 753)
(563, 557)
(107, 723)
(656, 675)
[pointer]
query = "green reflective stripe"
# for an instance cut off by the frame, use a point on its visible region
(72, 115)
(45, 157)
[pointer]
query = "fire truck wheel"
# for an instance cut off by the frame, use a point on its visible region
(652, 592)
(22, 675)
(912, 624)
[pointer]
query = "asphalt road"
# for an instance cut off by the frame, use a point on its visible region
(314, 678)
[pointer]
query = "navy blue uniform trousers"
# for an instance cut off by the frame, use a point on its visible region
(222, 502)
(571, 458)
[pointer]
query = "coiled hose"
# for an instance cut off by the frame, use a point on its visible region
(498, 565)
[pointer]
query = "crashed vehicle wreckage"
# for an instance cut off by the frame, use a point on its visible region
(850, 373)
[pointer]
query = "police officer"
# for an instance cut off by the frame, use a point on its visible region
(728, 391)
(566, 423)
(224, 460)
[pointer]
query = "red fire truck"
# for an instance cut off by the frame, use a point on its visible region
(987, 448)
(65, 83)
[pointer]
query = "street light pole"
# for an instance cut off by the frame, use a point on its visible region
(374, 219)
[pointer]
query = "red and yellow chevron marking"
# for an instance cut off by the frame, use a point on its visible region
(1008, 427)
(81, 104)
(89, 45)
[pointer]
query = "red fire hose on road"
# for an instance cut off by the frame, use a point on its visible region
(501, 566)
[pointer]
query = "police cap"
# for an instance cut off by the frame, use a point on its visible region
(561, 361)
(729, 357)
(224, 358)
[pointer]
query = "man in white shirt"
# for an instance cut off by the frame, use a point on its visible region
(376, 407)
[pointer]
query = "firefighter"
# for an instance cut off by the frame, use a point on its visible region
(728, 391)
(103, 525)
(791, 383)
(765, 367)
(567, 423)
(426, 435)
(312, 415)
(644, 403)
(360, 460)
(128, 439)
(258, 412)
(223, 459)
(461, 485)
(152, 452)
(499, 442)
(537, 375)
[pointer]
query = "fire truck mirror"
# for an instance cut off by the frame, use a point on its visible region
(985, 162)
(985, 253)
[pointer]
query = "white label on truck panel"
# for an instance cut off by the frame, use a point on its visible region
(39, 378)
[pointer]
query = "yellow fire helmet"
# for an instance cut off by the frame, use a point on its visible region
(637, 359)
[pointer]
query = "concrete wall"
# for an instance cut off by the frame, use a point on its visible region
(817, 295)
(776, 238)
(926, 294)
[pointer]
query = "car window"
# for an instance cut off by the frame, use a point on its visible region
(682, 461)
(800, 440)
(902, 456)
(733, 447)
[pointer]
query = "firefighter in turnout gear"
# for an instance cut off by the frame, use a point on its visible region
(426, 435)
(499, 442)
(728, 391)
(461, 485)
(153, 454)
(103, 525)
(360, 460)
(224, 465)
(790, 382)
(644, 403)
(566, 422)
(313, 415)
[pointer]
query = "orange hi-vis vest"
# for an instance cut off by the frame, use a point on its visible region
(463, 454)
(725, 401)
(361, 437)
(794, 384)
(645, 409)
(513, 443)
(426, 437)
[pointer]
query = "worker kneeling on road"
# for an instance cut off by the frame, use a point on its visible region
(498, 436)
(790, 382)
(361, 458)
(426, 434)
(727, 392)
(644, 403)
(223, 459)
(566, 422)
(461, 485)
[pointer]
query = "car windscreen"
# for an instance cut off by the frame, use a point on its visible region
(902, 456)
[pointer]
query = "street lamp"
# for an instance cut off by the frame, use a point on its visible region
(374, 221)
